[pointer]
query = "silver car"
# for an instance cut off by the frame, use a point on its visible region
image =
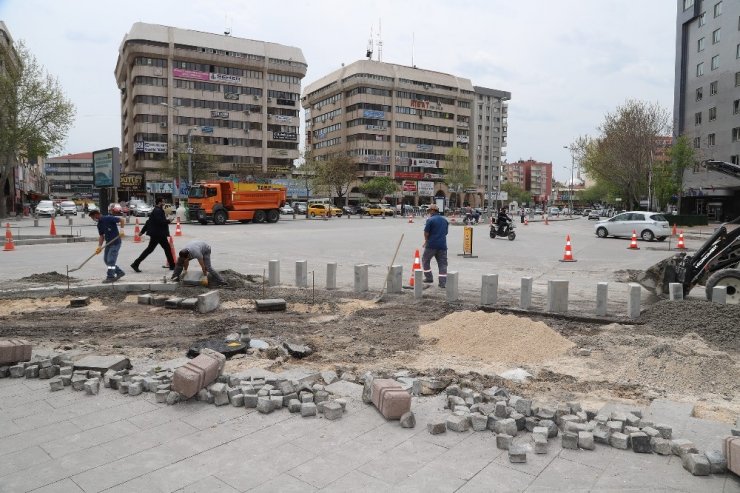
(140, 208)
(648, 226)
(46, 208)
(68, 207)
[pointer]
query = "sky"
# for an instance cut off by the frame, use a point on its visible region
(567, 63)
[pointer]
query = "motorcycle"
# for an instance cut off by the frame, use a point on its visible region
(503, 230)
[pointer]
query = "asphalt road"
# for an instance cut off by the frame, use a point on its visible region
(247, 248)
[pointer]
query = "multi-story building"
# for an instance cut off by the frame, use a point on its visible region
(70, 176)
(394, 121)
(489, 130)
(229, 101)
(707, 101)
(532, 176)
(8, 66)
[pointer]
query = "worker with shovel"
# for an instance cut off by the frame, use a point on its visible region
(110, 236)
(201, 251)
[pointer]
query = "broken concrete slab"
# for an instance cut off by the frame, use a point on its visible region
(271, 305)
(345, 389)
(297, 350)
(102, 364)
(79, 302)
(208, 302)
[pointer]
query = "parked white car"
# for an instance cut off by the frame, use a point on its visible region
(46, 208)
(68, 207)
(648, 226)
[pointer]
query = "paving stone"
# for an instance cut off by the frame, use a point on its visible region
(545, 413)
(56, 384)
(294, 406)
(540, 431)
(332, 411)
(665, 431)
(628, 430)
(66, 380)
(569, 440)
(329, 376)
(115, 381)
(264, 405)
(103, 363)
(17, 371)
(479, 422)
(172, 398)
(500, 410)
(122, 387)
(66, 371)
(632, 420)
(601, 434)
(144, 299)
(650, 431)
(49, 371)
(321, 396)
(251, 400)
(519, 419)
(32, 371)
(220, 395)
(619, 440)
(615, 426)
(506, 426)
(237, 400)
(640, 443)
(189, 303)
(408, 420)
(276, 401)
(530, 422)
(289, 397)
(78, 382)
(681, 447)
(696, 464)
(342, 402)
(523, 406)
(437, 427)
(458, 423)
(661, 446)
(308, 409)
(540, 444)
(503, 441)
(161, 396)
(135, 388)
(517, 454)
(585, 440)
(717, 461)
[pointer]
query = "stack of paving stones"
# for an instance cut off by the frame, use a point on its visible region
(173, 302)
(509, 416)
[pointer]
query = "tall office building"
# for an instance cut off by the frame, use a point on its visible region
(489, 130)
(393, 120)
(707, 101)
(228, 101)
(532, 176)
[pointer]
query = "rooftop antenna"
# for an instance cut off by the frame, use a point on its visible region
(369, 53)
(413, 42)
(227, 29)
(380, 42)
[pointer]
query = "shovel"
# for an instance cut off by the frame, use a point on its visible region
(388, 274)
(91, 256)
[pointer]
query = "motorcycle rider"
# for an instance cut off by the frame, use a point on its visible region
(502, 220)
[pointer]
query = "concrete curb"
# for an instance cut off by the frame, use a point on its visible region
(562, 316)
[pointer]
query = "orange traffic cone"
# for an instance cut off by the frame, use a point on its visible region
(172, 247)
(633, 243)
(9, 245)
(673, 232)
(526, 221)
(411, 219)
(568, 255)
(178, 229)
(137, 232)
(52, 228)
(415, 267)
(681, 245)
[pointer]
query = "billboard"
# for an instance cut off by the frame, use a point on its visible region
(425, 188)
(106, 168)
(133, 182)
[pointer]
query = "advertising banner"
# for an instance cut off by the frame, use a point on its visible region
(373, 114)
(425, 188)
(133, 182)
(424, 163)
(144, 146)
(284, 136)
(106, 168)
(409, 186)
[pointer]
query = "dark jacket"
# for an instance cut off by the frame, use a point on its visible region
(157, 224)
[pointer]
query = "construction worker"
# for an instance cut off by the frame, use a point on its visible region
(201, 251)
(435, 246)
(110, 236)
(158, 230)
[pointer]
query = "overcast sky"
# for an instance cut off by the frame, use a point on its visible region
(566, 63)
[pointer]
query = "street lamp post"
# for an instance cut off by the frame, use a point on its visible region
(190, 157)
(177, 112)
(570, 187)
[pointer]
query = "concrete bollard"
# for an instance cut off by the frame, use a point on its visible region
(489, 289)
(633, 300)
(273, 273)
(331, 275)
(301, 273)
(361, 278)
(719, 294)
(525, 297)
(557, 296)
(453, 294)
(675, 291)
(35, 222)
(418, 284)
(602, 296)
(395, 280)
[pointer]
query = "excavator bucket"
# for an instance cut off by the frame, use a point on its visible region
(656, 278)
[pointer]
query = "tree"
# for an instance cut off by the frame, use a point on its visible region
(598, 193)
(35, 115)
(457, 172)
(379, 187)
(682, 157)
(336, 175)
(621, 155)
(515, 192)
(203, 162)
(664, 183)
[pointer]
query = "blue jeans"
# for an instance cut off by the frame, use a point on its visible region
(110, 257)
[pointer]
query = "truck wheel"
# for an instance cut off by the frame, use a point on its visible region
(259, 217)
(273, 216)
(219, 217)
(729, 278)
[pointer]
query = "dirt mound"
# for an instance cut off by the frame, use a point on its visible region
(715, 323)
(48, 277)
(496, 337)
(239, 280)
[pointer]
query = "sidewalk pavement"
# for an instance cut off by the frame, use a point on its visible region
(70, 442)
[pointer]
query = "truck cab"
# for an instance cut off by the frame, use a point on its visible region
(221, 201)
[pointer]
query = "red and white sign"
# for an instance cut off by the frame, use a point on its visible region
(182, 73)
(409, 186)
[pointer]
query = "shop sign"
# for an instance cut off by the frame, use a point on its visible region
(145, 146)
(424, 148)
(373, 114)
(409, 186)
(284, 136)
(219, 114)
(133, 182)
(424, 163)
(425, 188)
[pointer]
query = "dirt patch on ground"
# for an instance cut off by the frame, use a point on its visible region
(48, 278)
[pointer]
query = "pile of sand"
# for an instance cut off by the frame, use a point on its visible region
(495, 337)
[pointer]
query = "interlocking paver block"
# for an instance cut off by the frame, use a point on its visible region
(198, 372)
(14, 351)
(308, 409)
(458, 423)
(332, 411)
(517, 454)
(504, 441)
(696, 464)
(437, 427)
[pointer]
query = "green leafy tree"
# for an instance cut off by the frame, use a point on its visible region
(336, 175)
(35, 114)
(664, 183)
(600, 192)
(621, 156)
(457, 173)
(203, 162)
(379, 187)
(682, 157)
(516, 193)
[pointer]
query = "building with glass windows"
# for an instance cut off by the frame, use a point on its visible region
(229, 104)
(395, 121)
(707, 102)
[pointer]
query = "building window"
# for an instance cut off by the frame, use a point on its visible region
(710, 140)
(699, 93)
(718, 9)
(715, 62)
(697, 142)
(737, 79)
(702, 19)
(713, 88)
(716, 35)
(700, 44)
(736, 134)
(735, 159)
(712, 114)
(736, 107)
(737, 51)
(697, 118)
(700, 69)
(687, 4)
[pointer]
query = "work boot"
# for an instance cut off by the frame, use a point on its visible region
(429, 281)
(120, 275)
(109, 280)
(135, 266)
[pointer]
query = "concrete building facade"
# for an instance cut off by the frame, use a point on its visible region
(707, 101)
(395, 121)
(231, 103)
(70, 176)
(532, 176)
(489, 131)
